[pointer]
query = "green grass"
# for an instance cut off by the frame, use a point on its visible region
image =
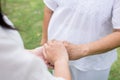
(27, 15)
(115, 71)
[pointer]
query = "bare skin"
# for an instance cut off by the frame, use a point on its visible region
(47, 15)
(105, 44)
(56, 53)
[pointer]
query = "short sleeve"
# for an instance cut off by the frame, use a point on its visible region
(116, 15)
(52, 4)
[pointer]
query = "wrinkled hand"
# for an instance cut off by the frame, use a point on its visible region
(75, 51)
(55, 51)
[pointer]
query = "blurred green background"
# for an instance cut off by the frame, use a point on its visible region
(27, 16)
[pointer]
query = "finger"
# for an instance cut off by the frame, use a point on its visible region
(53, 40)
(50, 43)
(46, 46)
(66, 43)
(44, 53)
(56, 41)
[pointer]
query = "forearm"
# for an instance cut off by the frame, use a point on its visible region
(105, 44)
(47, 17)
(62, 70)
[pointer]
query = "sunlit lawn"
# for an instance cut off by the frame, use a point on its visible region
(27, 15)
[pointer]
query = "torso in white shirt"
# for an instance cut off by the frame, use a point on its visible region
(80, 22)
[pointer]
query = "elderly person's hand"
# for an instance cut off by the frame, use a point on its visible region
(76, 51)
(55, 51)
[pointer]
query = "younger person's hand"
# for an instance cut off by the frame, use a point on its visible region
(38, 52)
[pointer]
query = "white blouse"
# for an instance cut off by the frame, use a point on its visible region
(18, 64)
(84, 21)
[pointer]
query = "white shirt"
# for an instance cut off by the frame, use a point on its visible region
(84, 21)
(18, 64)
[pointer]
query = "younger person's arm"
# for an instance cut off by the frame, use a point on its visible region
(56, 53)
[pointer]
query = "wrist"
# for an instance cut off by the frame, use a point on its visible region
(61, 61)
(84, 50)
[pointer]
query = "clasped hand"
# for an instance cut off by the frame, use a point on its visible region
(54, 51)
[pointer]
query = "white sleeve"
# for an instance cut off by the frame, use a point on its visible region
(52, 4)
(8, 21)
(17, 64)
(116, 15)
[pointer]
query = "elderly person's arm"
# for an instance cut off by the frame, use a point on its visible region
(105, 44)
